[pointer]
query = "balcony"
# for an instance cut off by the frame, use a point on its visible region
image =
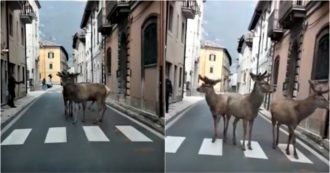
(15, 5)
(275, 31)
(103, 26)
(248, 37)
(291, 12)
(189, 9)
(118, 10)
(27, 14)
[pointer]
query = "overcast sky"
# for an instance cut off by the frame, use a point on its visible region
(59, 20)
(226, 21)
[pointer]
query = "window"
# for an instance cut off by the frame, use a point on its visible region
(170, 18)
(11, 24)
(212, 57)
(321, 56)
(211, 69)
(180, 77)
(50, 66)
(182, 32)
(276, 67)
(32, 71)
(22, 35)
(109, 61)
(23, 74)
(149, 41)
(50, 55)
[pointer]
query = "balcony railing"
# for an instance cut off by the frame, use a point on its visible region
(27, 14)
(275, 31)
(117, 10)
(290, 12)
(103, 25)
(189, 8)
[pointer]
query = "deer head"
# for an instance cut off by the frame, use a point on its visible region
(67, 77)
(319, 100)
(207, 84)
(260, 81)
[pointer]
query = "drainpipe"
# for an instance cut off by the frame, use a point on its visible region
(7, 22)
(257, 70)
(25, 73)
(184, 59)
(92, 46)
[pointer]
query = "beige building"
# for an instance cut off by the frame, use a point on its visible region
(300, 30)
(178, 12)
(215, 63)
(13, 44)
(134, 51)
(53, 59)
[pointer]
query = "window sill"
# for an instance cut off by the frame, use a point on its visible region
(150, 65)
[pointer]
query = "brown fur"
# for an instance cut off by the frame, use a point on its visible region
(291, 112)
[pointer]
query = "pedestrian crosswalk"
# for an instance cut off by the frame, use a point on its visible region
(173, 144)
(59, 135)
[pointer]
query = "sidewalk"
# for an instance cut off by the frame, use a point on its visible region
(21, 103)
(178, 107)
(321, 146)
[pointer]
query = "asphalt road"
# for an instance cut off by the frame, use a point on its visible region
(188, 148)
(43, 140)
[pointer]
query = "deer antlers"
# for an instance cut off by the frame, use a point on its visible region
(260, 76)
(209, 81)
(318, 90)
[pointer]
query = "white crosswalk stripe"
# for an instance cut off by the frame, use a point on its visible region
(172, 143)
(95, 134)
(132, 134)
(209, 148)
(17, 137)
(56, 135)
(256, 151)
(301, 157)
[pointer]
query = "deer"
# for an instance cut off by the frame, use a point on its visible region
(83, 92)
(217, 104)
(246, 106)
(291, 112)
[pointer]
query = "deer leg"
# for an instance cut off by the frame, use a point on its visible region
(226, 127)
(215, 122)
(277, 132)
(104, 109)
(99, 112)
(294, 143)
(234, 130)
(84, 108)
(289, 141)
(244, 133)
(273, 125)
(250, 132)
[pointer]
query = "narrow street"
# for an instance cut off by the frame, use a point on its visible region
(188, 147)
(43, 140)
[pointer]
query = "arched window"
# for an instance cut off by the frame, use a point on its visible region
(275, 71)
(50, 55)
(149, 41)
(321, 56)
(109, 61)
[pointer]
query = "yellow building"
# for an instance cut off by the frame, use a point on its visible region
(215, 63)
(53, 58)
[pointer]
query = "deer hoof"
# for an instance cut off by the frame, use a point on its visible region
(243, 148)
(213, 139)
(287, 152)
(234, 142)
(295, 156)
(83, 121)
(100, 120)
(95, 122)
(274, 146)
(224, 140)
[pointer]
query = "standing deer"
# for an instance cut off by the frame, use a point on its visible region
(217, 104)
(83, 92)
(246, 106)
(291, 112)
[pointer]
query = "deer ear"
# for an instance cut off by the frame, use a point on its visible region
(201, 78)
(253, 76)
(312, 86)
(58, 74)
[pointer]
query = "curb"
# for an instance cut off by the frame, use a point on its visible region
(179, 112)
(3, 124)
(315, 146)
(147, 120)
